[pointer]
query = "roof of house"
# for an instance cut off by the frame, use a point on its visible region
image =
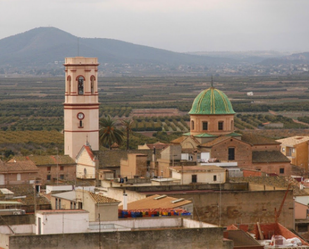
(71, 196)
(153, 201)
(207, 168)
(268, 157)
(47, 160)
(102, 199)
(157, 145)
(215, 141)
(178, 140)
(291, 141)
(56, 211)
(89, 151)
(26, 190)
(18, 166)
(258, 140)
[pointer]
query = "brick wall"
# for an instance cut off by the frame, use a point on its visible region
(243, 152)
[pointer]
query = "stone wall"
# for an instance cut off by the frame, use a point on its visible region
(197, 238)
(232, 207)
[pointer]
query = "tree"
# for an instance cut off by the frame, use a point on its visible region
(109, 134)
(128, 128)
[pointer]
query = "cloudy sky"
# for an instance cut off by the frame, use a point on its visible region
(177, 25)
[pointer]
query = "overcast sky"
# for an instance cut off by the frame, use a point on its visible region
(177, 25)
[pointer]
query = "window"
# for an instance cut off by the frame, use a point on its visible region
(18, 177)
(205, 126)
(48, 168)
(69, 84)
(61, 177)
(194, 178)
(231, 155)
(85, 171)
(220, 125)
(281, 171)
(215, 178)
(48, 177)
(192, 125)
(283, 149)
(80, 124)
(80, 85)
(61, 168)
(56, 203)
(232, 125)
(92, 84)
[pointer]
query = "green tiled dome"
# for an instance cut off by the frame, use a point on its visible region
(211, 101)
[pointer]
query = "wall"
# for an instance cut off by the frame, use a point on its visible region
(202, 177)
(17, 219)
(83, 161)
(11, 178)
(300, 211)
(62, 222)
(273, 168)
(301, 156)
(186, 238)
(68, 172)
(241, 207)
(163, 168)
(107, 211)
(243, 152)
(117, 194)
(267, 147)
(212, 120)
(18, 229)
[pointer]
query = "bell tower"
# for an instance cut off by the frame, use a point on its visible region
(81, 105)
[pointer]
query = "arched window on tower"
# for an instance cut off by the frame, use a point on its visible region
(92, 84)
(69, 84)
(192, 125)
(80, 85)
(232, 125)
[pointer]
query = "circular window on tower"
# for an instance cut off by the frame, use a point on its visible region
(80, 116)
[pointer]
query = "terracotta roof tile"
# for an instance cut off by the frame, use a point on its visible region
(257, 140)
(268, 157)
(18, 166)
(291, 141)
(102, 199)
(215, 141)
(47, 160)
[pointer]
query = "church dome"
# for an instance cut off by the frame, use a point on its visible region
(211, 101)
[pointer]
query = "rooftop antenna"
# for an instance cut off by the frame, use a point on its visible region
(212, 81)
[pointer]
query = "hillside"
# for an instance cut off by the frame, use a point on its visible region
(41, 47)
(294, 59)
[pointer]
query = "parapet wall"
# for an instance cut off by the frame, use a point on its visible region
(198, 238)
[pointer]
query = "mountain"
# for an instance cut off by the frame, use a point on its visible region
(294, 59)
(41, 47)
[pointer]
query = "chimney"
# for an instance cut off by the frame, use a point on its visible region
(125, 201)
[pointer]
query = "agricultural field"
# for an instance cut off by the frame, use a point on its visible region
(155, 104)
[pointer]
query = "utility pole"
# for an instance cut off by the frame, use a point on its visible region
(99, 231)
(57, 165)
